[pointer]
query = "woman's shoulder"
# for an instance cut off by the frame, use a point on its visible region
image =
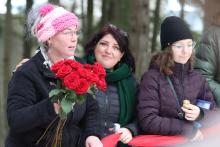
(152, 72)
(196, 72)
(31, 66)
(196, 75)
(151, 76)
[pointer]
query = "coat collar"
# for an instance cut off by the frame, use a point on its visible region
(181, 69)
(44, 68)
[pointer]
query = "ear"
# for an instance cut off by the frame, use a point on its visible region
(49, 42)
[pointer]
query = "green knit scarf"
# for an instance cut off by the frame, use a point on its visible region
(126, 86)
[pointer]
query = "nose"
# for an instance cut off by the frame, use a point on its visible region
(185, 49)
(74, 38)
(108, 49)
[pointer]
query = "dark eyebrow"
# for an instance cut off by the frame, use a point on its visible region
(108, 42)
(104, 41)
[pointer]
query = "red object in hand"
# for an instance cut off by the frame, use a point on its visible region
(145, 140)
(110, 140)
(157, 140)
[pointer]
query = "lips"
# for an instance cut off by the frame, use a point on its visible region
(71, 47)
(106, 56)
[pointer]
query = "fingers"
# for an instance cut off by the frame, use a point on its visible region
(191, 111)
(190, 117)
(56, 107)
(21, 63)
(93, 141)
(126, 135)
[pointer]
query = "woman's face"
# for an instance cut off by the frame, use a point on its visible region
(63, 44)
(107, 52)
(182, 50)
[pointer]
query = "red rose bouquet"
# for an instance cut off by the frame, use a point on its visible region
(75, 80)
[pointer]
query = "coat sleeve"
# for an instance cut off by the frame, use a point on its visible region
(150, 120)
(207, 95)
(24, 112)
(207, 58)
(91, 119)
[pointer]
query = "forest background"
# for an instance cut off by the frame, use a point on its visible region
(140, 18)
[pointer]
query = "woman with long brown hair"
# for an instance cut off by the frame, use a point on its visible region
(174, 98)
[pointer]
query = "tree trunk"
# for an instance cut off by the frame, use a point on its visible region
(156, 26)
(27, 42)
(211, 7)
(74, 6)
(83, 20)
(104, 14)
(57, 2)
(116, 12)
(6, 66)
(182, 4)
(139, 35)
(108, 12)
(89, 22)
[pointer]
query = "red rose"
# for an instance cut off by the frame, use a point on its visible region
(101, 84)
(82, 87)
(63, 71)
(75, 65)
(69, 61)
(92, 78)
(83, 73)
(55, 67)
(71, 81)
(99, 70)
(88, 67)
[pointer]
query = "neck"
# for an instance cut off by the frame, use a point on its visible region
(53, 57)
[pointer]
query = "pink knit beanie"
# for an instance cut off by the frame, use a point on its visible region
(53, 20)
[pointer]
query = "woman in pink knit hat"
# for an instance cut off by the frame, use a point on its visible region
(29, 109)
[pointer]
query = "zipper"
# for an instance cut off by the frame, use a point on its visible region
(106, 112)
(182, 85)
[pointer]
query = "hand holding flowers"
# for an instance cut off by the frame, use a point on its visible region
(74, 82)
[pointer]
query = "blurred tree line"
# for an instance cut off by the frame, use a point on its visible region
(141, 21)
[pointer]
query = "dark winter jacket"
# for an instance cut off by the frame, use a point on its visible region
(109, 108)
(30, 111)
(208, 59)
(158, 109)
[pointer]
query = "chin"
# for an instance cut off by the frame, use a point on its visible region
(107, 66)
(183, 62)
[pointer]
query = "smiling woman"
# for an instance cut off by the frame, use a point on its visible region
(110, 47)
(108, 52)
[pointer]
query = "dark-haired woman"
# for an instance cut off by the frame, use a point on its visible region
(110, 47)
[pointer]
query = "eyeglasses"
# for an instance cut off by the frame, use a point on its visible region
(189, 46)
(105, 45)
(123, 33)
(70, 33)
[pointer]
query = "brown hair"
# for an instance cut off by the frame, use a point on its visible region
(165, 62)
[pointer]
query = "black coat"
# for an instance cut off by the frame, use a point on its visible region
(30, 111)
